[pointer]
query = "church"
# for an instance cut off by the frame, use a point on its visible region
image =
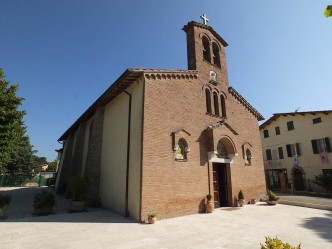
(160, 140)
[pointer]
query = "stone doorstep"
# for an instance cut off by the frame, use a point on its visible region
(306, 204)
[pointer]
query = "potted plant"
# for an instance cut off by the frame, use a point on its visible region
(43, 203)
(209, 205)
(4, 203)
(79, 187)
(241, 198)
(152, 217)
(272, 198)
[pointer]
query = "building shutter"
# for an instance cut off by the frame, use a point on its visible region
(314, 146)
(289, 150)
(328, 145)
(298, 151)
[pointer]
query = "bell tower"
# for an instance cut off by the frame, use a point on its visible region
(206, 51)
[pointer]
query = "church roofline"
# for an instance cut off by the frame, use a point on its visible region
(245, 103)
(201, 25)
(277, 115)
(125, 80)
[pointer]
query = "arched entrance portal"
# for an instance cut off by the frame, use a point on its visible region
(222, 192)
(298, 177)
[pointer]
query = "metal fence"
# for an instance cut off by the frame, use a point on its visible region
(19, 180)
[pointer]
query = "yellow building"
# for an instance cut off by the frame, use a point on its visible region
(296, 147)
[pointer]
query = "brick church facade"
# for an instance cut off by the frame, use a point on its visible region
(161, 140)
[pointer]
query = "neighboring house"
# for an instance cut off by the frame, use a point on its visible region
(296, 147)
(161, 140)
(44, 166)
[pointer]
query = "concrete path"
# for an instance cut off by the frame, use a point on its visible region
(225, 228)
(22, 201)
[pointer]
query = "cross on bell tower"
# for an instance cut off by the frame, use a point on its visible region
(204, 18)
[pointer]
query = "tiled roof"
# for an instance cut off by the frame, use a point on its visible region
(125, 80)
(277, 115)
(242, 100)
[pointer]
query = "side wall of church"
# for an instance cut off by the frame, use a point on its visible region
(114, 152)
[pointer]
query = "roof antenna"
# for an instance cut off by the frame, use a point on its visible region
(297, 110)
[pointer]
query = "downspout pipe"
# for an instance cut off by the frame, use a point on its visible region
(128, 154)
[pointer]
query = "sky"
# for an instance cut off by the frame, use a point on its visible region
(64, 54)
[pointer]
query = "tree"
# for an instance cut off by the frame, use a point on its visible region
(328, 11)
(52, 166)
(22, 159)
(12, 128)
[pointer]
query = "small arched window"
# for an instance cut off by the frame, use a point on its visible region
(223, 106)
(182, 149)
(216, 104)
(208, 101)
(221, 149)
(216, 55)
(248, 156)
(206, 49)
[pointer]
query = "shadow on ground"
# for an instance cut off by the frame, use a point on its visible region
(21, 209)
(321, 225)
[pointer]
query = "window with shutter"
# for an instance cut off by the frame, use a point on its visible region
(277, 130)
(266, 133)
(290, 125)
(321, 145)
(317, 120)
(281, 153)
(268, 154)
(293, 150)
(289, 150)
(298, 151)
(328, 145)
(314, 146)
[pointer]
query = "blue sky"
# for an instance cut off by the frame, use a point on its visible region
(65, 53)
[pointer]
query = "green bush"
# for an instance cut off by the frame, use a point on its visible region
(44, 199)
(79, 187)
(152, 215)
(272, 196)
(241, 195)
(325, 181)
(276, 243)
(32, 180)
(4, 200)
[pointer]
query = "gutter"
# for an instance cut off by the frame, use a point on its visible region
(128, 155)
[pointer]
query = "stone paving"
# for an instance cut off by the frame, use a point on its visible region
(225, 228)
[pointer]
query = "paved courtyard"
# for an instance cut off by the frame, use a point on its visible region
(225, 228)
